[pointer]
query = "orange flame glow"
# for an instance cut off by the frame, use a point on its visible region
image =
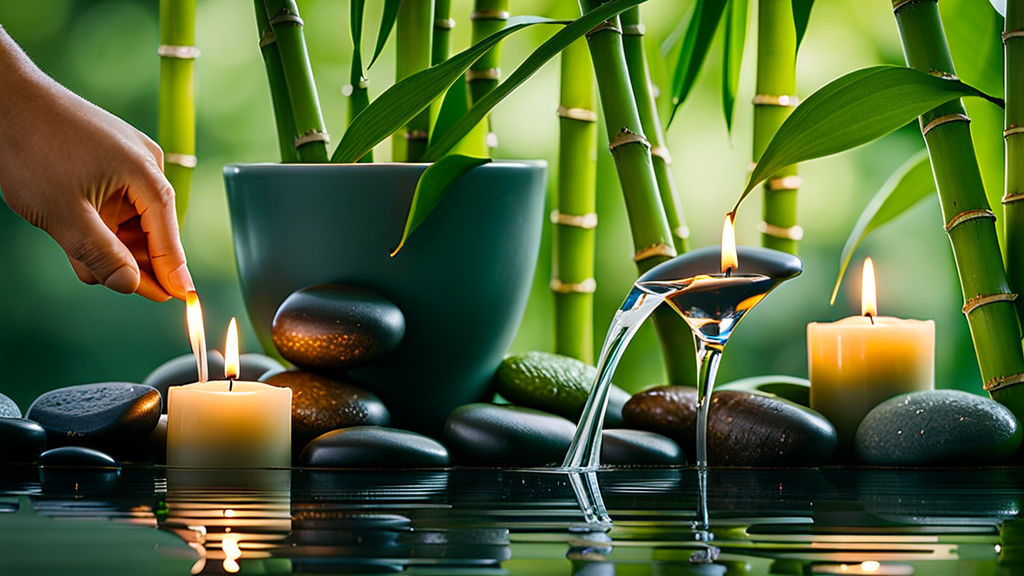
(231, 352)
(729, 260)
(196, 333)
(868, 300)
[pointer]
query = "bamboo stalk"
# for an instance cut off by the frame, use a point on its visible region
(572, 266)
(414, 30)
(278, 89)
(310, 132)
(177, 114)
(488, 17)
(640, 79)
(971, 227)
(440, 47)
(652, 238)
(359, 98)
(775, 99)
(1013, 199)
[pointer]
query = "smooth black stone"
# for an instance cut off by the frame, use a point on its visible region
(936, 427)
(8, 408)
(252, 366)
(115, 416)
(21, 441)
(331, 327)
(374, 447)
(321, 404)
(182, 370)
(77, 457)
(158, 441)
(625, 447)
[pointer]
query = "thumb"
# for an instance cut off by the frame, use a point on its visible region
(89, 242)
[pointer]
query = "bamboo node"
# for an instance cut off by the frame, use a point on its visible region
(268, 38)
(784, 183)
(178, 52)
(943, 74)
(588, 286)
(897, 4)
(483, 74)
(606, 25)
(794, 233)
(682, 232)
(945, 119)
(1013, 130)
(417, 135)
(634, 30)
(489, 15)
(627, 136)
(444, 23)
(183, 160)
(492, 140)
(581, 114)
(1015, 197)
(586, 221)
(661, 152)
(975, 302)
(286, 17)
(658, 249)
(968, 215)
(1003, 382)
(1018, 33)
(311, 136)
(783, 100)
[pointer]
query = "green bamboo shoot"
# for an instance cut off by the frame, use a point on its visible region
(488, 17)
(774, 100)
(177, 115)
(970, 224)
(440, 46)
(358, 84)
(1013, 200)
(414, 33)
(278, 89)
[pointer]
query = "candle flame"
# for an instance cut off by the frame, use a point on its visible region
(231, 351)
(196, 333)
(868, 300)
(729, 260)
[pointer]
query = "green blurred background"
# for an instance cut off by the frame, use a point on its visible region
(56, 332)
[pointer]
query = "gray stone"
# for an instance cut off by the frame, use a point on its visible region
(21, 441)
(938, 427)
(8, 408)
(374, 447)
(77, 457)
(182, 370)
(114, 416)
(254, 365)
(625, 447)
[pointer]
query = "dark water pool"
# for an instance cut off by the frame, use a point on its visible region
(831, 521)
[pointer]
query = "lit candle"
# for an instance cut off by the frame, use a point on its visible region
(858, 362)
(229, 423)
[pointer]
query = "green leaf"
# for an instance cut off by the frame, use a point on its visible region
(355, 22)
(558, 42)
(696, 42)
(735, 38)
(387, 22)
(453, 107)
(801, 14)
(431, 188)
(407, 98)
(911, 183)
(855, 109)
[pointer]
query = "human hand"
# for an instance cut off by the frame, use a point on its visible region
(91, 181)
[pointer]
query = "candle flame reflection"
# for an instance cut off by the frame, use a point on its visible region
(231, 553)
(196, 333)
(729, 260)
(868, 300)
(231, 367)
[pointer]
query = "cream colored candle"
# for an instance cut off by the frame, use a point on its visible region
(229, 423)
(858, 362)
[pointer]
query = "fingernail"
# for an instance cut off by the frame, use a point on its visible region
(124, 280)
(181, 280)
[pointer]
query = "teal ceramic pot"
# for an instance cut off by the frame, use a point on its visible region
(462, 279)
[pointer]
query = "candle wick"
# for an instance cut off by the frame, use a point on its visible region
(728, 272)
(872, 318)
(231, 384)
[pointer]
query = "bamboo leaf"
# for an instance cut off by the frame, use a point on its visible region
(387, 23)
(453, 107)
(696, 42)
(801, 14)
(911, 183)
(854, 109)
(431, 188)
(564, 37)
(355, 22)
(735, 39)
(407, 98)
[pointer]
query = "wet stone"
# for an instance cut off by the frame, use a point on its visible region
(936, 427)
(8, 408)
(625, 447)
(182, 370)
(21, 441)
(252, 366)
(744, 429)
(77, 457)
(332, 328)
(374, 447)
(158, 441)
(115, 416)
(791, 388)
(321, 404)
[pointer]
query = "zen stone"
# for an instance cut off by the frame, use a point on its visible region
(554, 383)
(938, 427)
(321, 404)
(744, 429)
(8, 408)
(625, 447)
(791, 388)
(21, 441)
(252, 366)
(332, 328)
(374, 447)
(114, 416)
(183, 370)
(77, 457)
(158, 441)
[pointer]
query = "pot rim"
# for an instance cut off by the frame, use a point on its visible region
(235, 167)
